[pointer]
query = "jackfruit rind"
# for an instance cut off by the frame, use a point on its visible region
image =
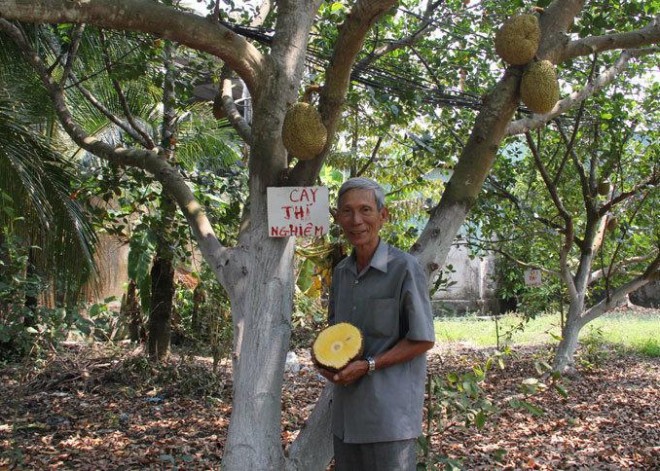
(517, 40)
(303, 132)
(337, 345)
(539, 88)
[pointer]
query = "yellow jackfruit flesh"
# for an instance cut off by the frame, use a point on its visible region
(539, 88)
(303, 132)
(336, 346)
(517, 40)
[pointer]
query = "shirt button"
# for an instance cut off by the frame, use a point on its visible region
(356, 282)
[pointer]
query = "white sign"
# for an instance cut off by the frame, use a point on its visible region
(533, 277)
(299, 211)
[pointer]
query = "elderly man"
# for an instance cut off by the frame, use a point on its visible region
(378, 399)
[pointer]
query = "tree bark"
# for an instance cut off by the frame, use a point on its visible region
(312, 450)
(469, 174)
(262, 301)
(132, 313)
(162, 292)
(565, 353)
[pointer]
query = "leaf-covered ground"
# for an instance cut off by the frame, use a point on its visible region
(110, 410)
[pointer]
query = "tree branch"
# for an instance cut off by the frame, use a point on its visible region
(513, 259)
(349, 43)
(238, 122)
(152, 17)
(130, 130)
(374, 155)
(423, 28)
(646, 36)
(76, 37)
(615, 268)
(536, 121)
(144, 138)
(651, 273)
(150, 161)
(652, 180)
(568, 220)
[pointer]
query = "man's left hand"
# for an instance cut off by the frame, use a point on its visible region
(351, 373)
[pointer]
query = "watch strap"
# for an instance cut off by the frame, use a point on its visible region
(372, 365)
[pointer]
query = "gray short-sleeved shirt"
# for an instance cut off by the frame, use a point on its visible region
(388, 301)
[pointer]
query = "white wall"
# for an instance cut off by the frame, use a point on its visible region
(474, 290)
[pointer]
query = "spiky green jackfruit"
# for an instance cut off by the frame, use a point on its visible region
(539, 88)
(303, 132)
(517, 40)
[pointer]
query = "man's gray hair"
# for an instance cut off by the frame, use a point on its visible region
(361, 183)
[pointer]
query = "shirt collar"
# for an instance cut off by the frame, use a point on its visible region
(378, 260)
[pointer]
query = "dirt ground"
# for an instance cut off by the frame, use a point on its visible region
(102, 409)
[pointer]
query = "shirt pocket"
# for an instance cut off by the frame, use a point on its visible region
(384, 318)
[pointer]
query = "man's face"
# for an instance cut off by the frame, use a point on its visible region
(360, 219)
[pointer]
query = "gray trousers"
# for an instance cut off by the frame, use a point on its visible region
(382, 456)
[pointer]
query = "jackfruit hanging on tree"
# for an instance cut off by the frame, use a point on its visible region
(604, 187)
(539, 88)
(337, 345)
(517, 40)
(303, 132)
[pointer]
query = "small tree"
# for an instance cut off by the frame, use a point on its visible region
(587, 201)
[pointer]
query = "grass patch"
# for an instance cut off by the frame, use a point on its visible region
(627, 329)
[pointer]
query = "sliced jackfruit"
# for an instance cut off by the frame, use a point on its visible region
(303, 132)
(337, 345)
(517, 41)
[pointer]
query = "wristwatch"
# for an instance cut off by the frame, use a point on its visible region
(372, 365)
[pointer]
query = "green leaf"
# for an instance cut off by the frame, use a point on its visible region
(480, 419)
(336, 6)
(561, 390)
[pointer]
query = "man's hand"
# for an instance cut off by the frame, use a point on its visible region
(348, 375)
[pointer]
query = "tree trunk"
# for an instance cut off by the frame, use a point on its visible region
(132, 313)
(31, 299)
(565, 354)
(262, 300)
(312, 450)
(162, 272)
(162, 292)
(470, 172)
(199, 325)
